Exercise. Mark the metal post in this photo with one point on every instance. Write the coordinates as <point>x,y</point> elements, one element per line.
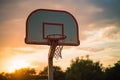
<point>50,69</point>
<point>50,61</point>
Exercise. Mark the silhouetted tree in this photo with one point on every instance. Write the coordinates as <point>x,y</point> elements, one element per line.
<point>80,69</point>
<point>58,74</point>
<point>44,72</point>
<point>84,70</point>
<point>3,77</point>
<point>113,73</point>
<point>22,74</point>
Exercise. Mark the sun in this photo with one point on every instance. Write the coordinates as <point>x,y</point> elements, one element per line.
<point>18,64</point>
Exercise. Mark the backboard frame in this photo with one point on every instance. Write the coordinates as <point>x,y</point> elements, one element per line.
<point>46,43</point>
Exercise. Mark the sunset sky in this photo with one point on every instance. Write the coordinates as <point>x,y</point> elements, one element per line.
<point>99,31</point>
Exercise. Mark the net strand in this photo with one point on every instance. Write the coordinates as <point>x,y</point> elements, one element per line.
<point>54,40</point>
<point>58,49</point>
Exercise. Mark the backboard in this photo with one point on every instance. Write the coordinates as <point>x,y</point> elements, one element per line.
<point>43,22</point>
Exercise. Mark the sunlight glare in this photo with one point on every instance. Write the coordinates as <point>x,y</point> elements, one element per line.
<point>18,64</point>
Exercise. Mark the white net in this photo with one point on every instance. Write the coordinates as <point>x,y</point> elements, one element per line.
<point>58,51</point>
<point>54,40</point>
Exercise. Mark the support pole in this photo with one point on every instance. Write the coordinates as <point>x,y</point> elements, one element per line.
<point>50,69</point>
<point>50,61</point>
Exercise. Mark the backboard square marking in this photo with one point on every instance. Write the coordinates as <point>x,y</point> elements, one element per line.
<point>52,28</point>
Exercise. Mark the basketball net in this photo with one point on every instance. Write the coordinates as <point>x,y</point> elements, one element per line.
<point>54,40</point>
<point>58,49</point>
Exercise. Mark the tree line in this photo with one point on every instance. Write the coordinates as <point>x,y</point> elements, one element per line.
<point>80,69</point>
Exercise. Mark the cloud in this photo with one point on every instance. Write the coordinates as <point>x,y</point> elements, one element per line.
<point>10,10</point>
<point>96,15</point>
<point>95,50</point>
<point>24,50</point>
<point>12,33</point>
<point>90,49</point>
<point>102,40</point>
<point>112,33</point>
<point>106,34</point>
<point>39,66</point>
<point>36,63</point>
<point>110,13</point>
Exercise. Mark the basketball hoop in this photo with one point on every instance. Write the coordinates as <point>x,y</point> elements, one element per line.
<point>53,40</point>
<point>45,27</point>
